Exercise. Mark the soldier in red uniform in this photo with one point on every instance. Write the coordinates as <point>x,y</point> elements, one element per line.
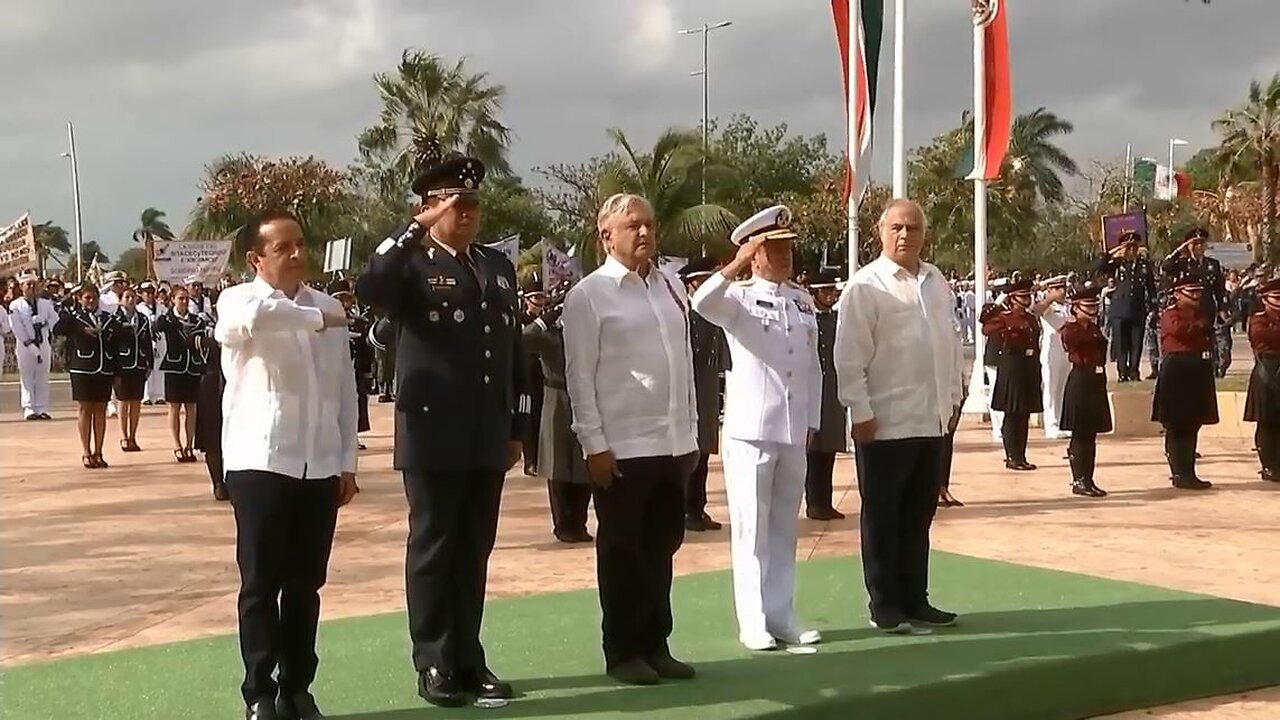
<point>1015,324</point>
<point>1262,402</point>
<point>1185,397</point>
<point>1085,410</point>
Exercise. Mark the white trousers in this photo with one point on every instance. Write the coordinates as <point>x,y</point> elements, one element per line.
<point>997,417</point>
<point>33,366</point>
<point>154,389</point>
<point>1054,387</point>
<point>764,483</point>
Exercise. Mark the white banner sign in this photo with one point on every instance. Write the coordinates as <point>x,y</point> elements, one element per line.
<point>17,245</point>
<point>557,267</point>
<point>337,255</point>
<point>672,265</point>
<point>509,246</point>
<point>177,260</point>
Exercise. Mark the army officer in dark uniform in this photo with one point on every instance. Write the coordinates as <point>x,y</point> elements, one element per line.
<point>1189,258</point>
<point>710,360</point>
<point>460,410</point>
<point>1133,297</point>
<point>833,434</point>
<point>560,457</point>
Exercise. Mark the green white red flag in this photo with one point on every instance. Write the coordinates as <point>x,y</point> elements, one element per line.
<point>994,126</point>
<point>865,45</point>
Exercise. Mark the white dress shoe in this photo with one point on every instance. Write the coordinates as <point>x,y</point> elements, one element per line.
<point>800,637</point>
<point>760,643</point>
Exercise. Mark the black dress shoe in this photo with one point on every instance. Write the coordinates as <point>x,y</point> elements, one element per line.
<point>261,710</point>
<point>824,514</point>
<point>710,524</point>
<point>487,686</point>
<point>441,688</point>
<point>931,616</point>
<point>1191,483</point>
<point>694,523</point>
<point>220,492</point>
<point>385,398</point>
<point>298,706</point>
<point>634,672</point>
<point>669,668</point>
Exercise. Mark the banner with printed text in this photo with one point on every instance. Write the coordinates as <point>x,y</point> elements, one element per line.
<point>178,260</point>
<point>18,246</point>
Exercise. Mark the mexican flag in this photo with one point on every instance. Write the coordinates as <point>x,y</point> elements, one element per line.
<point>992,133</point>
<point>1153,180</point>
<point>862,103</point>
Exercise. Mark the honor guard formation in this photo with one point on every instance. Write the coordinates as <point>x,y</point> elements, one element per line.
<point>619,388</point>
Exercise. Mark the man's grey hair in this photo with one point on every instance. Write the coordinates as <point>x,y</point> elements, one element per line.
<point>896,203</point>
<point>618,204</point>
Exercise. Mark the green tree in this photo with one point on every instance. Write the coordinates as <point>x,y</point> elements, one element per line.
<point>426,99</point>
<point>758,166</point>
<point>1034,164</point>
<point>152,227</point>
<point>133,262</point>
<point>509,208</point>
<point>50,239</point>
<point>1251,139</point>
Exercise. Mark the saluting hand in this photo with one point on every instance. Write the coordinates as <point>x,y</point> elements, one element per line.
<point>742,260</point>
<point>428,216</point>
<point>602,468</point>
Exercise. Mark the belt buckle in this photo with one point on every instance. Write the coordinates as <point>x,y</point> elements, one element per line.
<point>1030,352</point>
<point>1205,355</point>
<point>1098,370</point>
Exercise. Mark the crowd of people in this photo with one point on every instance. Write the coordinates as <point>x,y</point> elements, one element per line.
<point>618,389</point>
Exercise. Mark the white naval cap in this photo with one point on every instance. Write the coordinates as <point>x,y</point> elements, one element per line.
<point>28,276</point>
<point>776,221</point>
<point>113,277</point>
<point>1055,281</point>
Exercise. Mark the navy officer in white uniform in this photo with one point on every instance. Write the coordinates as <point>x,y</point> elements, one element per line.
<point>773,397</point>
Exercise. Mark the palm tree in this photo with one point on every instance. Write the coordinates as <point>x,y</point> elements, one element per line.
<point>1033,161</point>
<point>1251,138</point>
<point>669,178</point>
<point>153,228</point>
<point>427,100</point>
<point>50,238</point>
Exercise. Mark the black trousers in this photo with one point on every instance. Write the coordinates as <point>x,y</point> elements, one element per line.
<point>213,461</point>
<point>695,495</point>
<point>1266,438</point>
<point>1013,434</point>
<point>1127,335</point>
<point>1180,449</point>
<point>284,532</point>
<point>817,480</point>
<point>569,503</point>
<point>533,427</point>
<point>898,481</point>
<point>640,527</point>
<point>1082,453</point>
<point>944,461</point>
<point>453,524</point>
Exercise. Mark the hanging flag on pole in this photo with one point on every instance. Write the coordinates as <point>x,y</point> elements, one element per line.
<point>992,128</point>
<point>861,104</point>
<point>509,246</point>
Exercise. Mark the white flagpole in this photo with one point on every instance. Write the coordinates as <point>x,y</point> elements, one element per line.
<point>977,400</point>
<point>899,104</point>
<point>855,35</point>
<point>1128,173</point>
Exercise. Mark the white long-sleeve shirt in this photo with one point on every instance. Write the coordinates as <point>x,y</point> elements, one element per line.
<point>290,401</point>
<point>897,356</point>
<point>24,316</point>
<point>773,393</point>
<point>629,364</point>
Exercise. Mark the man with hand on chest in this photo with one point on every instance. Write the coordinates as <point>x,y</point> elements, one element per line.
<point>773,399</point>
<point>460,413</point>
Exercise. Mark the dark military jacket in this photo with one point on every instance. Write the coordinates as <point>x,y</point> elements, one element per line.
<point>134,344</point>
<point>461,394</point>
<point>710,360</point>
<point>181,352</point>
<point>1135,290</point>
<point>1214,297</point>
<point>90,340</point>
<point>832,433</point>
<point>361,351</point>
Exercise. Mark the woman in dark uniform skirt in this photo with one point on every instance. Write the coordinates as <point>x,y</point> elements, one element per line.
<point>183,365</point>
<point>89,332</point>
<point>1016,325</point>
<point>1262,402</point>
<point>1086,411</point>
<point>135,356</point>
<point>1185,396</point>
<point>560,457</point>
<point>208,438</point>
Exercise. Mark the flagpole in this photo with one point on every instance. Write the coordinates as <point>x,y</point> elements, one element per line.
<point>976,402</point>
<point>855,42</point>
<point>1128,173</point>
<point>899,107</point>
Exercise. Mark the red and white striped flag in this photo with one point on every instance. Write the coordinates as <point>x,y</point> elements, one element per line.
<point>993,127</point>
<point>863,102</point>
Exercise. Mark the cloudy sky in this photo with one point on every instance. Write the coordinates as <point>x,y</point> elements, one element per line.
<point>158,88</point>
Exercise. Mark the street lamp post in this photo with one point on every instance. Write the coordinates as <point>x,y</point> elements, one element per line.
<point>705,30</point>
<point>75,196</point>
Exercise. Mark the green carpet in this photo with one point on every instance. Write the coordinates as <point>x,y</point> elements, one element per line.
<point>1034,645</point>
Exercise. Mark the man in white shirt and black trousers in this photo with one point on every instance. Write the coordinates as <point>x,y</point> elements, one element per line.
<point>461,406</point>
<point>629,370</point>
<point>898,359</point>
<point>289,448</point>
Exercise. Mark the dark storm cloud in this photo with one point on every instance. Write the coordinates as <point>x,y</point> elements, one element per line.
<point>158,89</point>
